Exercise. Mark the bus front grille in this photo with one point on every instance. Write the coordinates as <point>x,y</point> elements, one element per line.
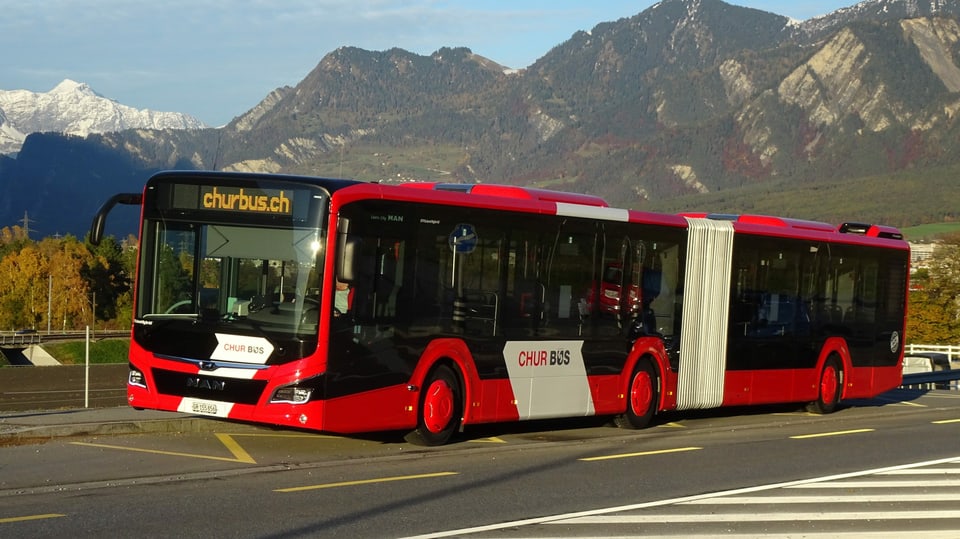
<point>208,387</point>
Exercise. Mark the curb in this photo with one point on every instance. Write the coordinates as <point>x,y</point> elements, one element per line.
<point>15,434</point>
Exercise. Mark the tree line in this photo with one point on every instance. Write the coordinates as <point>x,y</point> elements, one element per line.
<point>63,283</point>
<point>934,307</point>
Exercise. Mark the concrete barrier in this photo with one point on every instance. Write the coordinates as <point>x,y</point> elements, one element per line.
<point>39,357</point>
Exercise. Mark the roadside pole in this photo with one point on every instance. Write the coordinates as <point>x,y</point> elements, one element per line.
<point>86,381</point>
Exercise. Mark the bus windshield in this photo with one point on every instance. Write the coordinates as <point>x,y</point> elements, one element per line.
<point>256,276</point>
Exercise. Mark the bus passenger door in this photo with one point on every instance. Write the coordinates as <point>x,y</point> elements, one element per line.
<point>363,334</point>
<point>616,296</point>
<point>570,277</point>
<point>766,312</point>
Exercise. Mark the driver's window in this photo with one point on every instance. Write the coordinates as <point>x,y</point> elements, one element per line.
<point>173,277</point>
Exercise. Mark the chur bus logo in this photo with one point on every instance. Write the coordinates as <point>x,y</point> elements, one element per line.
<point>225,198</point>
<point>205,383</point>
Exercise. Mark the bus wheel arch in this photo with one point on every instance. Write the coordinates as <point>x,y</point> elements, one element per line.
<point>440,405</point>
<point>642,395</point>
<point>829,386</point>
<point>455,354</point>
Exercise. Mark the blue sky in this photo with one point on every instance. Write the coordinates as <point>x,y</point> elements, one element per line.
<point>216,59</point>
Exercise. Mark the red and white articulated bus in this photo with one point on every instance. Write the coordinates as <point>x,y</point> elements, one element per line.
<point>347,307</point>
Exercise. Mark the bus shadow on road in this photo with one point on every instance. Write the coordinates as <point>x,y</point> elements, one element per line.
<point>900,394</point>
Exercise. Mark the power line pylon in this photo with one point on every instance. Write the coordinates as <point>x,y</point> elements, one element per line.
<point>26,224</point>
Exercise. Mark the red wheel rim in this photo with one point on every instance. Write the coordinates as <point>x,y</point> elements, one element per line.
<point>438,406</point>
<point>828,385</point>
<point>641,393</point>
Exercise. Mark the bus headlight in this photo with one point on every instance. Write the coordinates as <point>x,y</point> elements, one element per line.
<point>291,395</point>
<point>135,378</point>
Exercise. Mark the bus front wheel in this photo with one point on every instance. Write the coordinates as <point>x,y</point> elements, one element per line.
<point>642,397</point>
<point>440,410</point>
<point>828,389</point>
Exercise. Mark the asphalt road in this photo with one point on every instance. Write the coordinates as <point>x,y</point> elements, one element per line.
<point>708,473</point>
<point>64,386</point>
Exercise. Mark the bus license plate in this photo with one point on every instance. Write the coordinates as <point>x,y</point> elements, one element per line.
<point>207,408</point>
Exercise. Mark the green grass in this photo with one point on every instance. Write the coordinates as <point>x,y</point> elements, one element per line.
<point>74,352</point>
<point>903,199</point>
<point>389,164</point>
<point>930,231</point>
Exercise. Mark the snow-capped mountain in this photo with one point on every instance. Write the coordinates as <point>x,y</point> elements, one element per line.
<point>74,108</point>
<point>10,138</point>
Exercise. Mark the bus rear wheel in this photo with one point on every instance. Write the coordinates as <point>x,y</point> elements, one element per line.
<point>828,389</point>
<point>642,398</point>
<point>440,410</point>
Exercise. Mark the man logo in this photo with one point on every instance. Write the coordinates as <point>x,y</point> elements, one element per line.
<point>205,383</point>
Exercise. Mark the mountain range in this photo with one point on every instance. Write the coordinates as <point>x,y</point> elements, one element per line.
<point>73,108</point>
<point>688,105</point>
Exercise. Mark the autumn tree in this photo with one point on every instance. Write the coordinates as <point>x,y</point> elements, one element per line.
<point>934,304</point>
<point>12,239</point>
<point>23,293</point>
<point>51,283</point>
<point>929,320</point>
<point>70,291</point>
<point>13,293</point>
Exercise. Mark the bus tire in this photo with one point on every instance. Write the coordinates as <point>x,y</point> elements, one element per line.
<point>440,410</point>
<point>829,388</point>
<point>642,398</point>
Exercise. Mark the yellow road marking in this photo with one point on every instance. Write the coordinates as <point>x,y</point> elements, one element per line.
<point>30,517</point>
<point>946,421</point>
<point>257,435</point>
<point>835,433</point>
<point>901,402</point>
<point>234,447</point>
<point>490,440</point>
<point>239,455</point>
<point>365,482</point>
<point>672,425</point>
<point>908,403</point>
<point>642,454</point>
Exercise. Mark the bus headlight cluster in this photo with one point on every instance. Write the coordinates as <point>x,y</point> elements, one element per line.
<point>135,378</point>
<point>291,395</point>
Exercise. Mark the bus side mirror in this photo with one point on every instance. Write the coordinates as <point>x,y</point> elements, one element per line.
<point>100,219</point>
<point>347,256</point>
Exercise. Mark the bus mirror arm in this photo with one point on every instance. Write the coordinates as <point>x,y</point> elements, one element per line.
<point>100,219</point>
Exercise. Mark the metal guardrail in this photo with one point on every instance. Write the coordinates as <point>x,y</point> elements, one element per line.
<point>16,339</point>
<point>928,366</point>
<point>951,350</point>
